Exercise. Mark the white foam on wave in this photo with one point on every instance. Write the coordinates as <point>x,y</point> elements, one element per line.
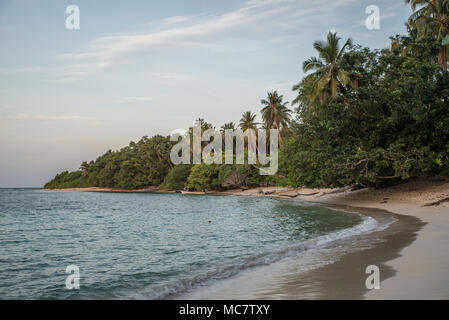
<point>367,225</point>
<point>234,267</point>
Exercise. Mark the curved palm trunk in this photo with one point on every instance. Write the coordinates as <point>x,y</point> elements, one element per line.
<point>279,133</point>
<point>443,57</point>
<point>323,97</point>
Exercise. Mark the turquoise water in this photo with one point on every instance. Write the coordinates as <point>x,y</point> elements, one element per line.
<point>149,246</point>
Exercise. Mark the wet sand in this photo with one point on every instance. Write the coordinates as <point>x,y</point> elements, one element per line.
<point>413,259</point>
<point>343,279</point>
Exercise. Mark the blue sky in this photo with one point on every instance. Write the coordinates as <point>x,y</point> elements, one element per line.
<point>144,67</point>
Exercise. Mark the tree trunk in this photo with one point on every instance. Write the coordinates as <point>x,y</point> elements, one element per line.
<point>279,133</point>
<point>443,57</point>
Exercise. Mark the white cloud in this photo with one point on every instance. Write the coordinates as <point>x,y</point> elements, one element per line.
<point>199,33</point>
<point>177,33</point>
<point>175,19</point>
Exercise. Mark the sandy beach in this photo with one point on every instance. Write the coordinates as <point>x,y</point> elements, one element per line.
<point>413,257</point>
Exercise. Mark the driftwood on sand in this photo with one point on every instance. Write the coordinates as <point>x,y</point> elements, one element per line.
<point>269,192</point>
<point>318,193</point>
<point>436,203</point>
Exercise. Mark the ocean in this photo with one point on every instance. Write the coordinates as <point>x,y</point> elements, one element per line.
<point>152,246</point>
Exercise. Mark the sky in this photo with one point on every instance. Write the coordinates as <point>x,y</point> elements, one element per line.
<point>143,67</point>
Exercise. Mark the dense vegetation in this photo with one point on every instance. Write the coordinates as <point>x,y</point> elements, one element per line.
<point>373,117</point>
<point>67,179</point>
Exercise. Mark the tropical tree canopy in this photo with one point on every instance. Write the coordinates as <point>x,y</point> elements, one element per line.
<point>329,76</point>
<point>275,112</point>
<point>431,18</point>
<point>248,121</point>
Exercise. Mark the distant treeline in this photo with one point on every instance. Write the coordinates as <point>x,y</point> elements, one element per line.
<point>373,117</point>
<point>147,163</point>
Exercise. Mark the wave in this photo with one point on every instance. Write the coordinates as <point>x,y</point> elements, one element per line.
<point>227,270</point>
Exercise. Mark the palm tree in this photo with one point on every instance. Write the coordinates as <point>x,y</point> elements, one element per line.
<point>84,167</point>
<point>228,126</point>
<point>304,90</point>
<point>204,125</point>
<point>275,113</point>
<point>248,121</point>
<point>432,18</point>
<point>329,76</point>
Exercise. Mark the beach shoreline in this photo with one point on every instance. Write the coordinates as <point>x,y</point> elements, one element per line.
<point>421,266</point>
<point>335,270</point>
<point>413,261</point>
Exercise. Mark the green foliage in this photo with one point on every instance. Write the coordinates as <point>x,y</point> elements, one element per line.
<point>138,165</point>
<point>239,175</point>
<point>204,177</point>
<point>395,126</point>
<point>329,76</point>
<point>218,177</point>
<point>67,179</point>
<point>275,113</point>
<point>430,19</point>
<point>176,179</point>
<point>248,121</point>
<point>445,41</point>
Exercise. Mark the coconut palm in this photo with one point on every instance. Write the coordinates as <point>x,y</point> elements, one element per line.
<point>228,126</point>
<point>200,122</point>
<point>204,125</point>
<point>304,97</point>
<point>248,121</point>
<point>84,167</point>
<point>275,112</point>
<point>431,17</point>
<point>329,76</point>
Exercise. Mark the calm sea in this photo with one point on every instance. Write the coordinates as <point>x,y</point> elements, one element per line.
<point>150,246</point>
